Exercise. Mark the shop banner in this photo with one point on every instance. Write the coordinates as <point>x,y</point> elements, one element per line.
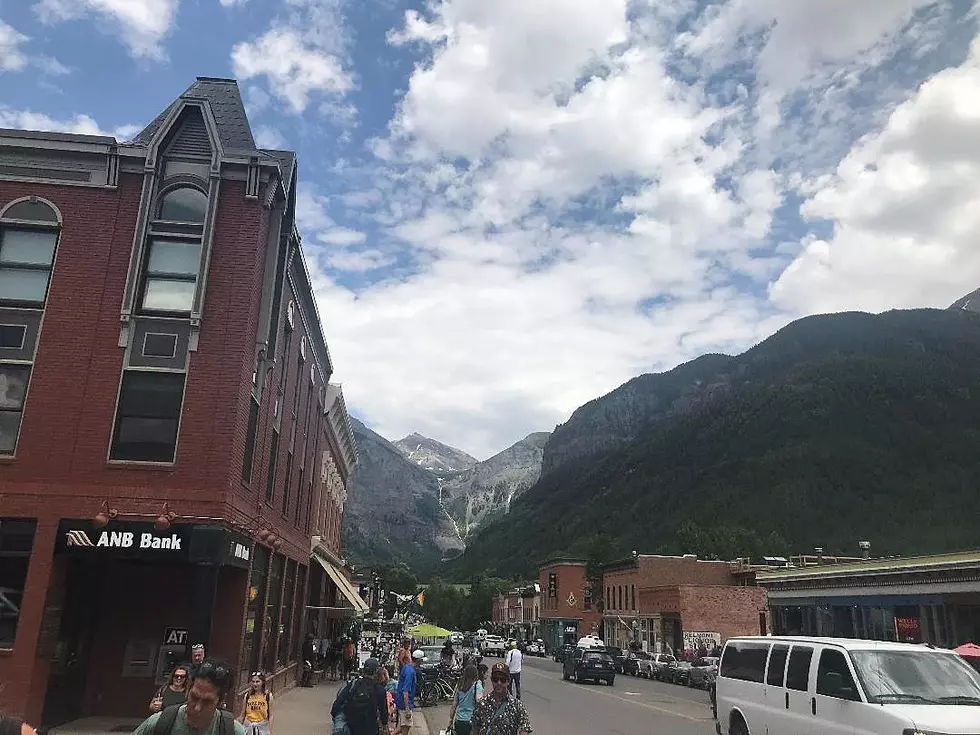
<point>696,640</point>
<point>908,629</point>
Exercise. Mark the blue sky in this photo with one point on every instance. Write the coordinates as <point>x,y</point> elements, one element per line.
<point>510,208</point>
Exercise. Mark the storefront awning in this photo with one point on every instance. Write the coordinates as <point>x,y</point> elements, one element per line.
<point>349,593</point>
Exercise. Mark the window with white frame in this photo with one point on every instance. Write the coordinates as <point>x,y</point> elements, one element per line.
<point>28,241</point>
<point>172,258</point>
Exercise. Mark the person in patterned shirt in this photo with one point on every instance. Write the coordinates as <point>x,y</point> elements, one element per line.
<point>500,713</point>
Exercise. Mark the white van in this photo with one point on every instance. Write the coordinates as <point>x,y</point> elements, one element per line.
<point>836,686</point>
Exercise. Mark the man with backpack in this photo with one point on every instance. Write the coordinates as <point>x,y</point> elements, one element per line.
<point>200,715</point>
<point>361,705</point>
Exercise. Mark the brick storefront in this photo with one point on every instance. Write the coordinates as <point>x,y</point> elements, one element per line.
<point>662,601</point>
<point>567,612</point>
<point>146,383</point>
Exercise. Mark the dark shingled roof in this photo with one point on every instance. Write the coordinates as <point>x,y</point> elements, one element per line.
<point>287,160</point>
<point>226,103</point>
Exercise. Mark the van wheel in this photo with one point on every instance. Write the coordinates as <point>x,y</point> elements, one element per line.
<point>738,726</point>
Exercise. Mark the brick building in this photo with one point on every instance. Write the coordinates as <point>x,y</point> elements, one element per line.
<point>670,602</point>
<point>517,612</point>
<point>172,455</point>
<point>567,608</point>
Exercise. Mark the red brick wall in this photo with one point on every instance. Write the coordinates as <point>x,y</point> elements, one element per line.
<point>663,571</point>
<point>60,470</point>
<point>730,611</point>
<point>571,578</point>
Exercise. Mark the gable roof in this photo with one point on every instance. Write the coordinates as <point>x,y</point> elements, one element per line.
<point>225,100</point>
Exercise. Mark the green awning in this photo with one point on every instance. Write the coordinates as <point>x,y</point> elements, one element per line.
<point>427,630</point>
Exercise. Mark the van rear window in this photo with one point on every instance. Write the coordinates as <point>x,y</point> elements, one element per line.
<point>744,660</point>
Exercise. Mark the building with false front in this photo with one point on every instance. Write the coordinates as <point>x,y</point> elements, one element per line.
<point>679,602</point>
<point>928,599</point>
<point>173,458</point>
<point>567,609</point>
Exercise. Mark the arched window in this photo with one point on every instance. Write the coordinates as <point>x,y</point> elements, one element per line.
<point>184,204</point>
<point>28,238</point>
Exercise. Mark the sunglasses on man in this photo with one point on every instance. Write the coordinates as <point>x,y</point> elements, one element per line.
<point>500,678</point>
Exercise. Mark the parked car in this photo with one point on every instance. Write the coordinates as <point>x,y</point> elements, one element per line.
<point>585,664</point>
<point>562,652</point>
<point>662,665</point>
<point>652,668</point>
<point>590,641</point>
<point>631,665</point>
<point>701,670</point>
<point>493,645</point>
<point>618,656</point>
<point>535,648</point>
<point>677,672</point>
<point>837,687</point>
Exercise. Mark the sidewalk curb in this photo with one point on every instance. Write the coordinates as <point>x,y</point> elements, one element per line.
<point>424,725</point>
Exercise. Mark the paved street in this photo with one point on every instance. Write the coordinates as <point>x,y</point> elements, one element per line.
<point>631,707</point>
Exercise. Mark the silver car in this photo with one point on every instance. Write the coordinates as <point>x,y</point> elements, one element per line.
<point>651,666</point>
<point>703,670</point>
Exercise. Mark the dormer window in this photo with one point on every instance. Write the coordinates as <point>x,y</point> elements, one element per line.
<point>184,204</point>
<point>172,259</point>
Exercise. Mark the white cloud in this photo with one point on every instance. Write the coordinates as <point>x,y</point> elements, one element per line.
<point>572,192</point>
<point>905,204</point>
<point>143,24</point>
<point>232,3</point>
<point>50,66</point>
<point>269,137</point>
<point>12,57</point>
<point>300,55</point>
<point>79,123</point>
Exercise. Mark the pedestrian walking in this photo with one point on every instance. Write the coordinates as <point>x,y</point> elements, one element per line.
<point>350,658</point>
<point>361,706</point>
<point>500,713</point>
<point>173,692</point>
<point>257,707</point>
<point>198,654</point>
<point>201,714</point>
<point>405,694</point>
<point>468,694</point>
<point>515,662</point>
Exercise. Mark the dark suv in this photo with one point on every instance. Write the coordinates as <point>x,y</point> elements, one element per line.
<point>584,664</point>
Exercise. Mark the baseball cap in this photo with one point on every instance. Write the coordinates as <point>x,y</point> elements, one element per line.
<point>197,647</point>
<point>419,654</point>
<point>370,666</point>
<point>500,668</point>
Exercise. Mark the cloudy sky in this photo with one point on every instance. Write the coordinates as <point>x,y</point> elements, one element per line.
<point>513,206</point>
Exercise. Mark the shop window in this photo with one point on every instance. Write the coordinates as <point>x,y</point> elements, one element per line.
<point>288,608</point>
<point>16,542</point>
<point>252,640</point>
<point>148,416</point>
<point>248,458</point>
<point>13,392</point>
<point>273,613</point>
<point>632,597</point>
<point>298,387</point>
<point>28,240</point>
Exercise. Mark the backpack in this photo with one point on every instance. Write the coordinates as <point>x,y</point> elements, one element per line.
<point>360,710</point>
<point>226,724</point>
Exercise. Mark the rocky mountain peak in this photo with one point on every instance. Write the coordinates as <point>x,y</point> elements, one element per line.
<point>970,302</point>
<point>433,455</point>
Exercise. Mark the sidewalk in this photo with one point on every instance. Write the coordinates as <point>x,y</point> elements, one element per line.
<point>306,711</point>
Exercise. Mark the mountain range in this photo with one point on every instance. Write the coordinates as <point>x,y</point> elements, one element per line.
<point>837,428</point>
<point>416,500</point>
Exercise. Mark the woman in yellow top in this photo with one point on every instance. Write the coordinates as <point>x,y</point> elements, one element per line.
<point>257,707</point>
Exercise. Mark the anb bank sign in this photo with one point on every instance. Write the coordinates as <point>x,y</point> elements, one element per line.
<point>121,539</point>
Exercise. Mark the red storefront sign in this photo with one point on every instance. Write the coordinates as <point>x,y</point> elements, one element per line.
<point>908,629</point>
